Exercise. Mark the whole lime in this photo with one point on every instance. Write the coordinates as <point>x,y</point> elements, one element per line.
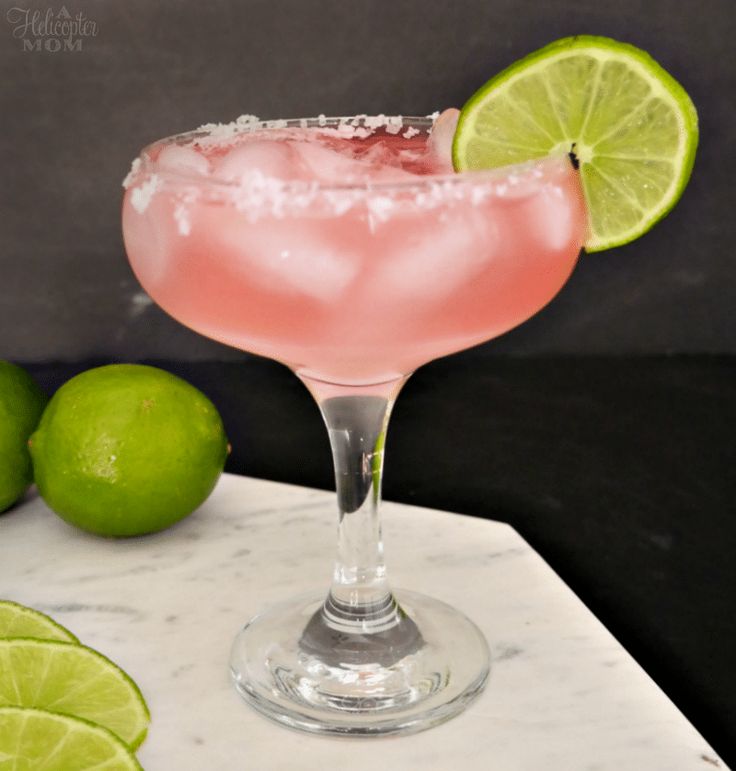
<point>127,449</point>
<point>21,405</point>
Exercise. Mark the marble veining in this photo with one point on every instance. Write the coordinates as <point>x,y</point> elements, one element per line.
<point>563,694</point>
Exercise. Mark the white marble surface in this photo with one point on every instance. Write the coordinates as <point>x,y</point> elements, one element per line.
<point>563,694</point>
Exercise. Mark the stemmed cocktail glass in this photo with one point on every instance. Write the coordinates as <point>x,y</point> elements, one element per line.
<point>348,250</point>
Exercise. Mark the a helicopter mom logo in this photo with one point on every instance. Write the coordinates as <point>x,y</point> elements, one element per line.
<point>50,30</point>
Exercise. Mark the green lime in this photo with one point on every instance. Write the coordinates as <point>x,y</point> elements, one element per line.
<point>36,740</point>
<point>21,405</point>
<point>19,621</point>
<point>127,449</point>
<point>72,680</point>
<point>628,123</point>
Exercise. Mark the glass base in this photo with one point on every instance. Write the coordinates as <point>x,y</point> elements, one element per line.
<point>296,668</point>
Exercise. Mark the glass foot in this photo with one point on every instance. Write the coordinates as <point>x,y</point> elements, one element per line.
<point>297,667</point>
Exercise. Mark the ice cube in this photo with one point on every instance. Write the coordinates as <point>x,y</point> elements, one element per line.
<point>435,256</point>
<point>383,162</point>
<point>550,218</point>
<point>379,154</point>
<point>329,165</point>
<point>377,164</point>
<point>439,145</point>
<point>269,159</point>
<point>183,160</point>
<point>392,174</point>
<point>299,257</point>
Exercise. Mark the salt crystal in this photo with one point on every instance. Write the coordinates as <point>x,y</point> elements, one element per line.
<point>345,131</point>
<point>478,195</point>
<point>394,124</point>
<point>375,121</point>
<point>132,174</point>
<point>410,132</point>
<point>181,212</point>
<point>141,196</point>
<point>339,202</point>
<point>209,127</point>
<point>181,215</point>
<point>222,131</point>
<point>380,206</point>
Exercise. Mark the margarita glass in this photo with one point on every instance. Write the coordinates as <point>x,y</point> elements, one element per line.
<point>347,249</point>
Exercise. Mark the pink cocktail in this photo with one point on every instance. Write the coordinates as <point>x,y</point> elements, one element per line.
<point>351,285</point>
<point>348,250</point>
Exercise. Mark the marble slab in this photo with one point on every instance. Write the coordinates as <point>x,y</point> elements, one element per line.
<point>563,694</point>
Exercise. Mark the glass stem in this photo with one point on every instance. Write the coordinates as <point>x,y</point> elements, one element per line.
<point>360,603</point>
<point>359,592</point>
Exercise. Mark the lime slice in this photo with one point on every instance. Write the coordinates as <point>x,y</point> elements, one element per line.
<point>73,680</point>
<point>19,621</point>
<point>629,124</point>
<point>44,741</point>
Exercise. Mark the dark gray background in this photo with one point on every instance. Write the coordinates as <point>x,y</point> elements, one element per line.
<point>72,121</point>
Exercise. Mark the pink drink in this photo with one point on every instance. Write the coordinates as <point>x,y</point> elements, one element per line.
<point>353,255</point>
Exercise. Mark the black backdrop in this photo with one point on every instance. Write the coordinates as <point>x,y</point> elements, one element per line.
<point>611,455</point>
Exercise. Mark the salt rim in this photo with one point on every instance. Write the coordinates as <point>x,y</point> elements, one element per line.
<point>350,127</point>
<point>141,196</point>
<point>133,173</point>
<point>346,127</point>
<point>262,196</point>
